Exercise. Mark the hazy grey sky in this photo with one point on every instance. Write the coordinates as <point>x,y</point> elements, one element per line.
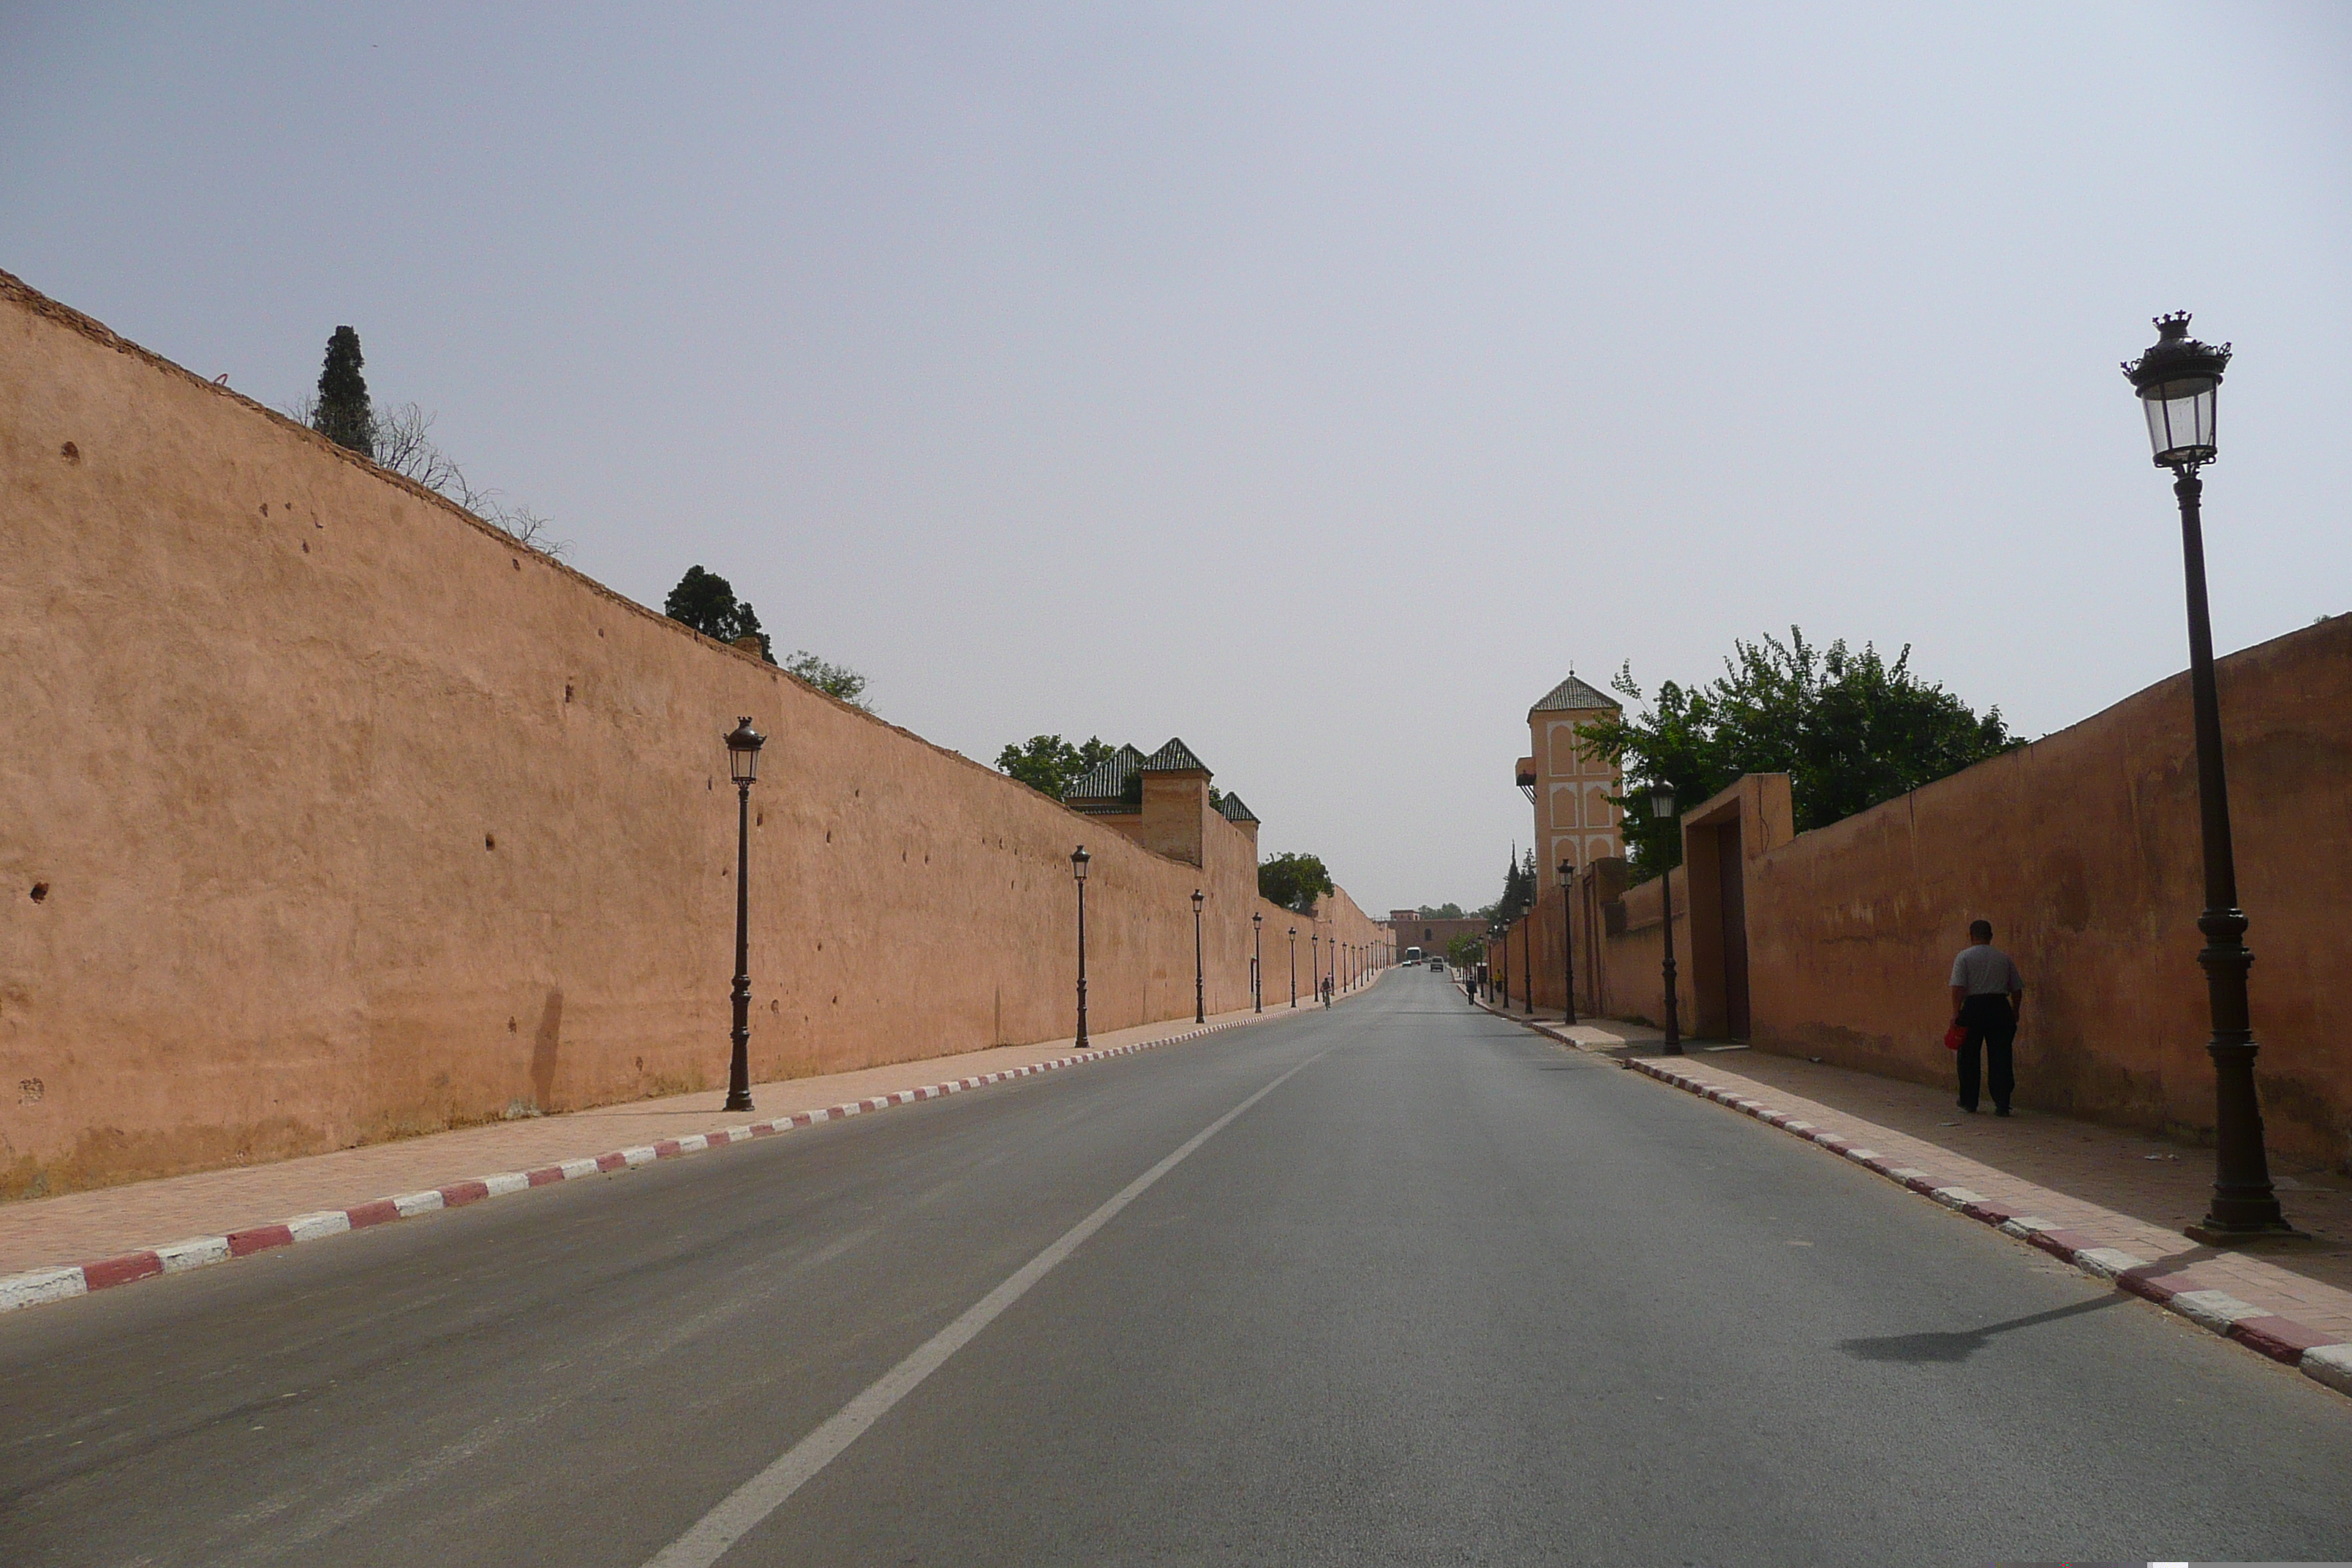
<point>1315,382</point>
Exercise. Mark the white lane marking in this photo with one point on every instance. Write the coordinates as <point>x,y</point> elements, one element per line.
<point>756,1498</point>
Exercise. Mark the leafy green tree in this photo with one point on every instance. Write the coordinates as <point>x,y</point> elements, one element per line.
<point>1465,951</point>
<point>342,414</point>
<point>1050,765</point>
<point>707,602</point>
<point>1849,729</point>
<point>1295,881</point>
<point>1445,911</point>
<point>833,680</point>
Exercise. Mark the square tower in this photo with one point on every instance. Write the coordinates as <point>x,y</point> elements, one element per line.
<point>1570,784</point>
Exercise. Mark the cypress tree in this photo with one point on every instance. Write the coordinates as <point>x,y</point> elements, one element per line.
<point>343,414</point>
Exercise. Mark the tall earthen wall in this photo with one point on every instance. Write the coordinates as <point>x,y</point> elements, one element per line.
<point>329,813</point>
<point>2084,850</point>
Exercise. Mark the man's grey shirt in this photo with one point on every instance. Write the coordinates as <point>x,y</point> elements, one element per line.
<point>1985,971</point>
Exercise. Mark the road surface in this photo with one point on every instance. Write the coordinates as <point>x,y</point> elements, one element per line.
<point>1397,1282</point>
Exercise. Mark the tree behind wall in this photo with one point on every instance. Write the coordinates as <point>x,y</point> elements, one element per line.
<point>1050,765</point>
<point>1295,881</point>
<point>833,680</point>
<point>707,602</point>
<point>1518,887</point>
<point>1849,729</point>
<point>342,414</point>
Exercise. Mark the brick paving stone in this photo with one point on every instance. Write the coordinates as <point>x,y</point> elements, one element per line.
<point>108,1222</point>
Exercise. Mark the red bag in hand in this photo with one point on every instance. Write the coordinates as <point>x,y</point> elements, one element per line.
<point>1956,1037</point>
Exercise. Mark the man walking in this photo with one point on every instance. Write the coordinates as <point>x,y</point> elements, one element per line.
<point>1987,992</point>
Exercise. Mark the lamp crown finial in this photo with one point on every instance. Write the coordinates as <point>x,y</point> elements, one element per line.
<point>2175,356</point>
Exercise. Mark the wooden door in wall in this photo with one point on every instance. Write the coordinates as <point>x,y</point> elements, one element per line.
<point>1732,869</point>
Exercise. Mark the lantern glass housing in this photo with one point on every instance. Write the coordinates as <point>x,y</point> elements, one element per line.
<point>1662,801</point>
<point>2178,381</point>
<point>1567,873</point>
<point>2181,420</point>
<point>1078,860</point>
<point>1257,919</point>
<point>1197,899</point>
<point>743,743</point>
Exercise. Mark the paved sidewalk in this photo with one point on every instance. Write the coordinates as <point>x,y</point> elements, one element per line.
<point>46,1233</point>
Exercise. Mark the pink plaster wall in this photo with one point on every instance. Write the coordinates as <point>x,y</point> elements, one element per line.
<point>352,818</point>
<point>2083,851</point>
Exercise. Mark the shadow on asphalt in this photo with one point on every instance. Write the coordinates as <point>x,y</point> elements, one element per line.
<point>1919,1349</point>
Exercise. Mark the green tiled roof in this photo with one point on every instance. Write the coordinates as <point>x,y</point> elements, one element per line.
<point>1175,757</point>
<point>1570,696</point>
<point>1106,788</point>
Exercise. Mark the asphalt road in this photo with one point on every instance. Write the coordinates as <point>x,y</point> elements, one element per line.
<point>1445,1293</point>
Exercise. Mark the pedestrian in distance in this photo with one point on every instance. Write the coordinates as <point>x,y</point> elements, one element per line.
<point>1987,994</point>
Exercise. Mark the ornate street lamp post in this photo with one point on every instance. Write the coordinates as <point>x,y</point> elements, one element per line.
<point>2179,380</point>
<point>1567,939</point>
<point>1528,958</point>
<point>1257,962</point>
<point>743,743</point>
<point>1200,992</point>
<point>1661,811</point>
<point>1315,958</point>
<point>1293,966</point>
<point>1079,859</point>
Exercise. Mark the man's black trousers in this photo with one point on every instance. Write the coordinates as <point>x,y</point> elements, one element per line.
<point>1992,1028</point>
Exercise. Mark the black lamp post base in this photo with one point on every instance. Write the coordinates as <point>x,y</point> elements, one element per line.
<point>2209,1234</point>
<point>738,1103</point>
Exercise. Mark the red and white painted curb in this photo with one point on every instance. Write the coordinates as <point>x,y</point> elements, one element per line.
<point>2319,1356</point>
<point>40,1285</point>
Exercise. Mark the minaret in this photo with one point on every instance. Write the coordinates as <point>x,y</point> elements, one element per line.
<point>1570,784</point>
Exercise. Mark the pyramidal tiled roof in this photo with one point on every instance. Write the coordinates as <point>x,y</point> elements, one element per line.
<point>1175,757</point>
<point>1571,694</point>
<point>1108,781</point>
<point>1230,805</point>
